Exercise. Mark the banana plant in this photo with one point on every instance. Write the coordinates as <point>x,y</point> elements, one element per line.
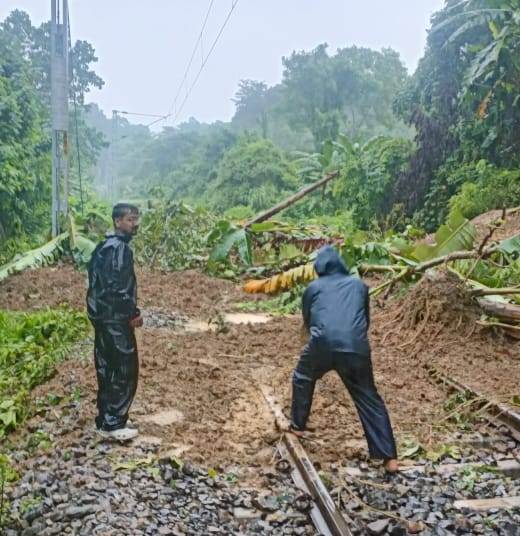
<point>71,241</point>
<point>502,18</point>
<point>227,236</point>
<point>41,256</point>
<point>457,234</point>
<point>395,256</point>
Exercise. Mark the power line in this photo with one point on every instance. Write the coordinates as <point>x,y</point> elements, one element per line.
<point>188,66</point>
<point>138,113</point>
<point>199,40</point>
<point>205,60</point>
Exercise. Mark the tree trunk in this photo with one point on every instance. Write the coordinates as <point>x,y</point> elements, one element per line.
<point>263,216</point>
<point>505,311</point>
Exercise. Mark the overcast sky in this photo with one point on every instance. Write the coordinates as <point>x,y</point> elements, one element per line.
<point>144,46</point>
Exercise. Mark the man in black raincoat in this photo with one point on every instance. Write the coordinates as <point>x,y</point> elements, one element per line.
<point>336,316</point>
<point>112,309</point>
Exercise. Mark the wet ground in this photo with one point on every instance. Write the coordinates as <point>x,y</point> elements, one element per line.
<point>199,401</point>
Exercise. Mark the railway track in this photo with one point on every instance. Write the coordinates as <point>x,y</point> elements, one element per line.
<point>493,412</point>
<point>323,511</point>
<point>339,517</point>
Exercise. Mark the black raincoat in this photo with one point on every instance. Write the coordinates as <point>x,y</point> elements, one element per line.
<point>336,313</point>
<point>112,290</point>
<point>335,307</point>
<point>111,304</point>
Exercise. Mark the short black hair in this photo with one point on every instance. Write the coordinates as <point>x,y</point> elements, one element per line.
<point>121,209</point>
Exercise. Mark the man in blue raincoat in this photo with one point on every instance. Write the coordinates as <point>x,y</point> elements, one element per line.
<point>336,316</point>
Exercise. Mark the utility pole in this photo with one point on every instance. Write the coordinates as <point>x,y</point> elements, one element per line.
<point>59,110</point>
<point>113,157</point>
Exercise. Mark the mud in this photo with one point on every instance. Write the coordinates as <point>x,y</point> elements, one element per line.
<point>510,227</point>
<point>189,292</point>
<point>435,323</point>
<point>199,397</point>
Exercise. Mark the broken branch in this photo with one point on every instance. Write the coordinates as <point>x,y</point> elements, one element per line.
<point>263,216</point>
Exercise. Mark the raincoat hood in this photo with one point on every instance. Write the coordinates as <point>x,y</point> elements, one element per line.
<point>329,262</point>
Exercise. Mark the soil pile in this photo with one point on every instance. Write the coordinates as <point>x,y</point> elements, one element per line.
<point>435,323</point>
<point>510,227</point>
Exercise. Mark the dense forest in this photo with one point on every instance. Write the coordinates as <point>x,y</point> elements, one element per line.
<point>409,147</point>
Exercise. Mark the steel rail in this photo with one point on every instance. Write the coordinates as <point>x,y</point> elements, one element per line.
<point>494,411</point>
<point>324,513</point>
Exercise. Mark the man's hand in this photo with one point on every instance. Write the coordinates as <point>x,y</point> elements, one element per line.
<point>136,322</point>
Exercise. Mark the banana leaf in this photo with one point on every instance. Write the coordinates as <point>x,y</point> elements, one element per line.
<point>80,246</point>
<point>510,246</point>
<point>35,258</point>
<point>235,237</point>
<point>282,281</point>
<point>458,234</point>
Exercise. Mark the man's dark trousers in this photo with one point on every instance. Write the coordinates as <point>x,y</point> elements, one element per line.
<point>355,371</point>
<point>117,369</point>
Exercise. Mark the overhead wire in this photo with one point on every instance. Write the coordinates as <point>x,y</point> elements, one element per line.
<point>197,76</point>
<point>138,113</point>
<point>188,65</point>
<point>195,46</point>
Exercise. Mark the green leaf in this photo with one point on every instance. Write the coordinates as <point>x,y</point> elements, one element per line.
<point>458,234</point>
<point>452,451</point>
<point>327,152</point>
<point>510,245</point>
<point>482,61</point>
<point>212,473</point>
<point>264,227</point>
<point>177,462</point>
<point>411,451</point>
<point>289,251</point>
<point>245,249</point>
<point>34,258</point>
<point>239,238</point>
<point>81,247</point>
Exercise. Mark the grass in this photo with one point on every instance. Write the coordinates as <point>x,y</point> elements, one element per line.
<point>31,345</point>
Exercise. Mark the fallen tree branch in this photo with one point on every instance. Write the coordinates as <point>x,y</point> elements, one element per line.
<point>489,324</point>
<point>263,216</point>
<point>437,261</point>
<point>455,256</point>
<point>494,291</point>
<point>504,311</point>
<point>492,229</point>
<point>367,268</point>
<point>377,290</point>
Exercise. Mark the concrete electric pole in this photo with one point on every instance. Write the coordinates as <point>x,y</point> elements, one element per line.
<point>113,157</point>
<point>59,110</point>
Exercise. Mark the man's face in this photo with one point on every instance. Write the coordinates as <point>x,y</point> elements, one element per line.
<point>129,223</point>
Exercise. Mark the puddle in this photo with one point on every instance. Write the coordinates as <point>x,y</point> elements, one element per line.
<point>197,326</point>
<point>164,418</point>
<point>247,318</point>
<point>177,321</point>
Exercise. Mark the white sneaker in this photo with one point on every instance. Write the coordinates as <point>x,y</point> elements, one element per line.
<point>122,434</point>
